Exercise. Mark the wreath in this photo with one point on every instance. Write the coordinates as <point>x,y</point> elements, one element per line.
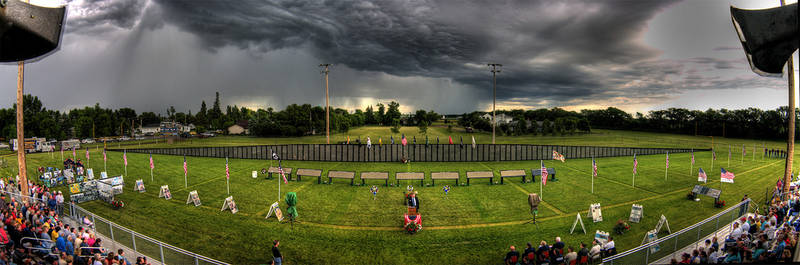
<point>719,204</point>
<point>263,171</point>
<point>117,204</point>
<point>621,227</point>
<point>412,227</point>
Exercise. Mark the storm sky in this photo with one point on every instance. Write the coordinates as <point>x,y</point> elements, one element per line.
<point>637,55</point>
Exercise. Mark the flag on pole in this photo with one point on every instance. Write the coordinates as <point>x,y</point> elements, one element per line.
<point>473,142</point>
<point>544,174</point>
<point>104,155</point>
<point>701,175</point>
<point>462,141</point>
<point>667,159</point>
<point>693,157</point>
<point>391,138</point>
<point>185,166</point>
<point>280,169</point>
<point>713,155</point>
<point>125,157</point>
<point>437,139</point>
<point>87,153</point>
<point>152,166</point>
<point>635,164</point>
<point>726,176</point>
<point>594,168</point>
<point>227,169</point>
<point>450,139</point>
<point>403,140</point>
<point>73,152</point>
<point>744,151</point>
<point>369,143</point>
<point>557,156</point>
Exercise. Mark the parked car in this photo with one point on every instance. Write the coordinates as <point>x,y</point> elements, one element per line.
<point>87,141</point>
<point>125,138</point>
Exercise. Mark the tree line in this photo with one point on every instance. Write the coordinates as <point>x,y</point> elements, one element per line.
<point>299,120</point>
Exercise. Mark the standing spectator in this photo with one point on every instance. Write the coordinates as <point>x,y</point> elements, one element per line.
<point>277,258</point>
<point>529,257</point>
<point>60,203</point>
<point>512,257</point>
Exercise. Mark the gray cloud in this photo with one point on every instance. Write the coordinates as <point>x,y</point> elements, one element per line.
<point>97,16</point>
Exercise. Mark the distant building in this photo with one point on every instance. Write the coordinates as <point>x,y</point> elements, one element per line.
<point>187,128</point>
<point>241,127</point>
<point>150,129</point>
<point>169,128</point>
<point>502,118</point>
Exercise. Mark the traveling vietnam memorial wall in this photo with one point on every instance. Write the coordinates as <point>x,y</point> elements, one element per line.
<point>413,152</point>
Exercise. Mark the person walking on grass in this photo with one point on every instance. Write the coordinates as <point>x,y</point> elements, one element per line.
<point>277,258</point>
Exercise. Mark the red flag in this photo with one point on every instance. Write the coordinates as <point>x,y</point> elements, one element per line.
<point>104,155</point>
<point>152,166</point>
<point>403,140</point>
<point>280,168</point>
<point>450,139</point>
<point>185,166</point>
<point>87,153</point>
<point>227,169</point>
<point>125,157</point>
<point>544,175</point>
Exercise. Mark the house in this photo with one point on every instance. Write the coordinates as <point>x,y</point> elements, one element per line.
<point>502,118</point>
<point>150,129</point>
<point>240,127</point>
<point>187,128</point>
<point>169,128</point>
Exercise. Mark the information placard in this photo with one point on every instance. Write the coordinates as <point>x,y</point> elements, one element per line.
<point>164,192</point>
<point>597,214</point>
<point>193,198</point>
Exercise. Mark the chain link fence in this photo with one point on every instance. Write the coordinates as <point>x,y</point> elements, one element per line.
<point>414,152</point>
<point>670,244</point>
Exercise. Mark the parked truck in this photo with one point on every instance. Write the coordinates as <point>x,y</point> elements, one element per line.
<point>32,145</point>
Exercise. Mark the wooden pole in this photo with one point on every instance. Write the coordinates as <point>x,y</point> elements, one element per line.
<point>23,171</point>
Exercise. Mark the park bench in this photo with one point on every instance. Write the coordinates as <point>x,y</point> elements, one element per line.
<point>341,175</point>
<point>443,175</point>
<point>375,175</point>
<point>538,172</point>
<point>512,174</point>
<point>410,176</point>
<point>309,173</point>
<point>480,175</point>
<point>286,170</point>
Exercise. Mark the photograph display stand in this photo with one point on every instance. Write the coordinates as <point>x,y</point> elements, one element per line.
<point>103,175</point>
<point>255,174</point>
<point>577,220</point>
<point>597,215</point>
<point>90,173</point>
<point>661,222</point>
<point>601,237</point>
<point>275,209</point>
<point>193,197</point>
<point>636,213</point>
<point>229,204</point>
<point>139,186</point>
<point>651,236</point>
<point>164,192</point>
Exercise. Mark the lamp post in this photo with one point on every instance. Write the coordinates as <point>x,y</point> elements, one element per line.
<point>327,106</point>
<point>494,71</point>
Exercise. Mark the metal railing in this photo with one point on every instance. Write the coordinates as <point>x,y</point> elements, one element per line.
<point>670,244</point>
<point>163,252</point>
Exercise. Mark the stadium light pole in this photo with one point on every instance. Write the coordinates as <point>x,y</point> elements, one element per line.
<point>494,71</point>
<point>327,106</point>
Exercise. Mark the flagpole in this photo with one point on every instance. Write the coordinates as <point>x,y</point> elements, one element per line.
<point>151,174</point>
<point>691,167</point>
<point>633,176</point>
<point>228,179</point>
<point>591,173</point>
<point>712,161</point>
<point>541,191</point>
<point>666,167</point>
<point>729,156</point>
<point>185,173</point>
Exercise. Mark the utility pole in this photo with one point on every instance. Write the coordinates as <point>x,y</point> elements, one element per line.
<point>787,174</point>
<point>327,105</point>
<point>494,94</point>
<point>23,171</point>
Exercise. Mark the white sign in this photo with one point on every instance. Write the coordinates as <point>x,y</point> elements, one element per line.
<point>577,219</point>
<point>193,198</point>
<point>661,223</point>
<point>164,192</point>
<point>255,174</point>
<point>89,173</point>
<point>229,204</point>
<point>103,175</point>
<point>276,210</point>
<point>636,213</point>
<point>597,215</point>
<point>139,186</point>
<point>601,237</point>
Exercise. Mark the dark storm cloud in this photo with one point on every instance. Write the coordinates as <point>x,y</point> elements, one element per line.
<point>94,16</point>
<point>551,49</point>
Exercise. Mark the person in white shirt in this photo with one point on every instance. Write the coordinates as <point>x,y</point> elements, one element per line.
<point>737,231</point>
<point>610,247</point>
<point>746,227</point>
<point>594,253</point>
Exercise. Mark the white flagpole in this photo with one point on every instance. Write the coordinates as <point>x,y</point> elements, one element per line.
<point>591,173</point>
<point>125,162</point>
<point>227,178</point>
<point>104,162</point>
<point>633,176</point>
<point>691,167</point>
<point>151,174</point>
<point>185,173</point>
<point>666,166</point>
<point>712,161</point>
<point>279,181</point>
<point>729,156</point>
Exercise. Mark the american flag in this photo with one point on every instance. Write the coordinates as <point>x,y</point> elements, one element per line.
<point>667,159</point>
<point>692,157</point>
<point>635,164</point>
<point>544,174</point>
<point>726,176</point>
<point>280,168</point>
<point>87,153</point>
<point>594,168</point>
<point>152,166</point>
<point>104,155</point>
<point>744,151</point>
<point>227,169</point>
<point>185,166</point>
<point>701,175</point>
<point>125,157</point>
<point>73,152</point>
<point>403,140</point>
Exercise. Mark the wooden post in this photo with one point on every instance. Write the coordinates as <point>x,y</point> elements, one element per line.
<point>23,172</point>
<point>787,174</point>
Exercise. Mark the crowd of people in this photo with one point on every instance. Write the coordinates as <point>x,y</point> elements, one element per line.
<point>770,237</point>
<point>560,253</point>
<point>32,232</point>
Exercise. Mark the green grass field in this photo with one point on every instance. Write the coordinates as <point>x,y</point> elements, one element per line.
<point>473,224</point>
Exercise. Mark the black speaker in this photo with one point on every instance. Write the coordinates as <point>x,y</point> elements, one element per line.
<point>28,31</point>
<point>768,36</point>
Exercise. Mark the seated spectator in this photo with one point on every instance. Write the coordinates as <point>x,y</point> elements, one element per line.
<point>733,256</point>
<point>543,253</point>
<point>557,252</point>
<point>529,256</point>
<point>703,258</point>
<point>595,252</point>
<point>583,254</point>
<point>610,248</point>
<point>686,259</point>
<point>571,257</point>
<point>512,257</point>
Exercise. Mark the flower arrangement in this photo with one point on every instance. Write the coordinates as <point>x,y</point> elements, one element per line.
<point>690,196</point>
<point>117,204</point>
<point>621,227</point>
<point>412,227</point>
<point>719,204</point>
